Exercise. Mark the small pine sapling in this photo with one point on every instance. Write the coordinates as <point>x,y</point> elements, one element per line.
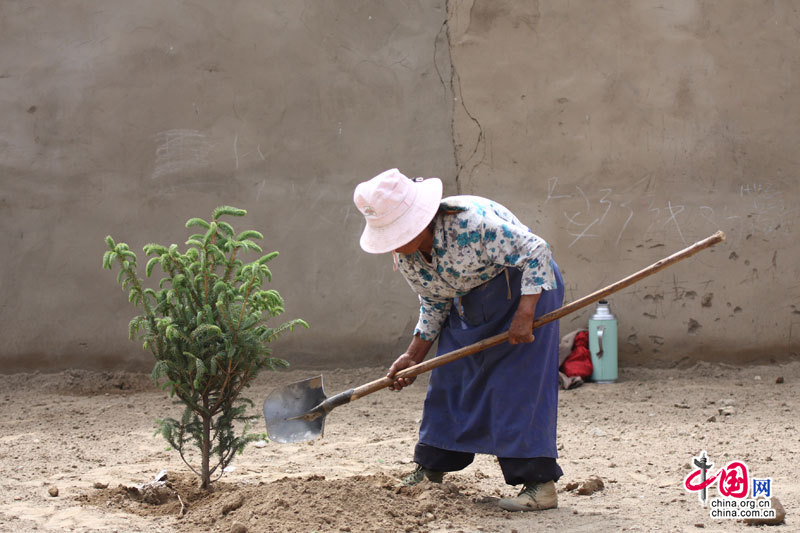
<point>207,328</point>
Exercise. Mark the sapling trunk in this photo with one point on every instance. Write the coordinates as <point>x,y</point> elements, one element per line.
<point>206,449</point>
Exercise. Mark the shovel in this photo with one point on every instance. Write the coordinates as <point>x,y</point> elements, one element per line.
<point>297,412</point>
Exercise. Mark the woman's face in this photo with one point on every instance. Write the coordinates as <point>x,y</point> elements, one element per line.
<point>413,245</point>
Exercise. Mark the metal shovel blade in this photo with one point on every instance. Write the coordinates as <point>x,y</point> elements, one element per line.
<point>283,407</point>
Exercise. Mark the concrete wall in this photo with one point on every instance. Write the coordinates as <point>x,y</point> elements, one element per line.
<point>620,131</point>
<point>624,131</point>
<point>128,118</point>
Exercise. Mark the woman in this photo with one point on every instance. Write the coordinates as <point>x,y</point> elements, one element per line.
<point>478,272</point>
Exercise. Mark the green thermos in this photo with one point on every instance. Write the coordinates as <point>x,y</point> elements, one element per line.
<point>603,343</point>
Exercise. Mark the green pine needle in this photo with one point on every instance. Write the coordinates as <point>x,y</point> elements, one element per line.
<point>228,210</point>
<point>197,222</point>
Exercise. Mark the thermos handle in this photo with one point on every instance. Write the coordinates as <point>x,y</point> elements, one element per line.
<point>600,331</point>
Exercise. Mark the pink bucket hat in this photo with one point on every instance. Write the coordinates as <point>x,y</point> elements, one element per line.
<point>396,209</point>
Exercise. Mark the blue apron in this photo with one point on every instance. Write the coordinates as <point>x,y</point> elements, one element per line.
<point>500,401</point>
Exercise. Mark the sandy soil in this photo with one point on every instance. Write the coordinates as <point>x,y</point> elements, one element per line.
<point>80,432</point>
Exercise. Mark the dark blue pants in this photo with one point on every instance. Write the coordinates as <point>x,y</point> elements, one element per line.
<point>515,470</point>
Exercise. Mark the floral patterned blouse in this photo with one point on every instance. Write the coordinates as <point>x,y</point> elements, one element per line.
<point>474,239</point>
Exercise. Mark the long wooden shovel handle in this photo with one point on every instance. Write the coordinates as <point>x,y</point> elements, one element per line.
<point>443,359</point>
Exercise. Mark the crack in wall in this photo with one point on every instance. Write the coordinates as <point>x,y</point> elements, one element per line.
<point>479,142</point>
<point>444,27</point>
<point>458,99</point>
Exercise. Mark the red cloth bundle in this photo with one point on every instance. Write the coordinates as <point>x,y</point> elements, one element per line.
<point>579,361</point>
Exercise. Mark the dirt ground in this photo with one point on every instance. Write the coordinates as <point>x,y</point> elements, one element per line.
<point>90,435</point>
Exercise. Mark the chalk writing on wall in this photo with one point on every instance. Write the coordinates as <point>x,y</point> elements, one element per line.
<point>180,151</point>
<point>639,213</point>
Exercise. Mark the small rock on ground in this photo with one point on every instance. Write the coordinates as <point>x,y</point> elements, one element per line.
<point>238,527</point>
<point>590,486</point>
<point>231,504</point>
<point>780,515</point>
<point>156,494</point>
<point>53,491</point>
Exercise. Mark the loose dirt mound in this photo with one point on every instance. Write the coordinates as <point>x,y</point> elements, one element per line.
<point>170,498</point>
<point>360,503</point>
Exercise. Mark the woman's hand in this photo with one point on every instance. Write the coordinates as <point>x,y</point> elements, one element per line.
<point>521,329</point>
<point>416,352</point>
<point>404,361</point>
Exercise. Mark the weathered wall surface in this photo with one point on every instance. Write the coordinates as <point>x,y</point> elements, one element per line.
<point>128,118</point>
<point>620,131</point>
<point>624,131</point>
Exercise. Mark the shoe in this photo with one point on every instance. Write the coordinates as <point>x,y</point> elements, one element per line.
<point>420,473</point>
<point>533,497</point>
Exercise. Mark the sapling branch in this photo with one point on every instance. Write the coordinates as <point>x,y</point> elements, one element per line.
<point>230,265</point>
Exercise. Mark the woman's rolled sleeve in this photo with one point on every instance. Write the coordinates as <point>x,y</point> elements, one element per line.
<point>514,246</point>
<point>432,314</point>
